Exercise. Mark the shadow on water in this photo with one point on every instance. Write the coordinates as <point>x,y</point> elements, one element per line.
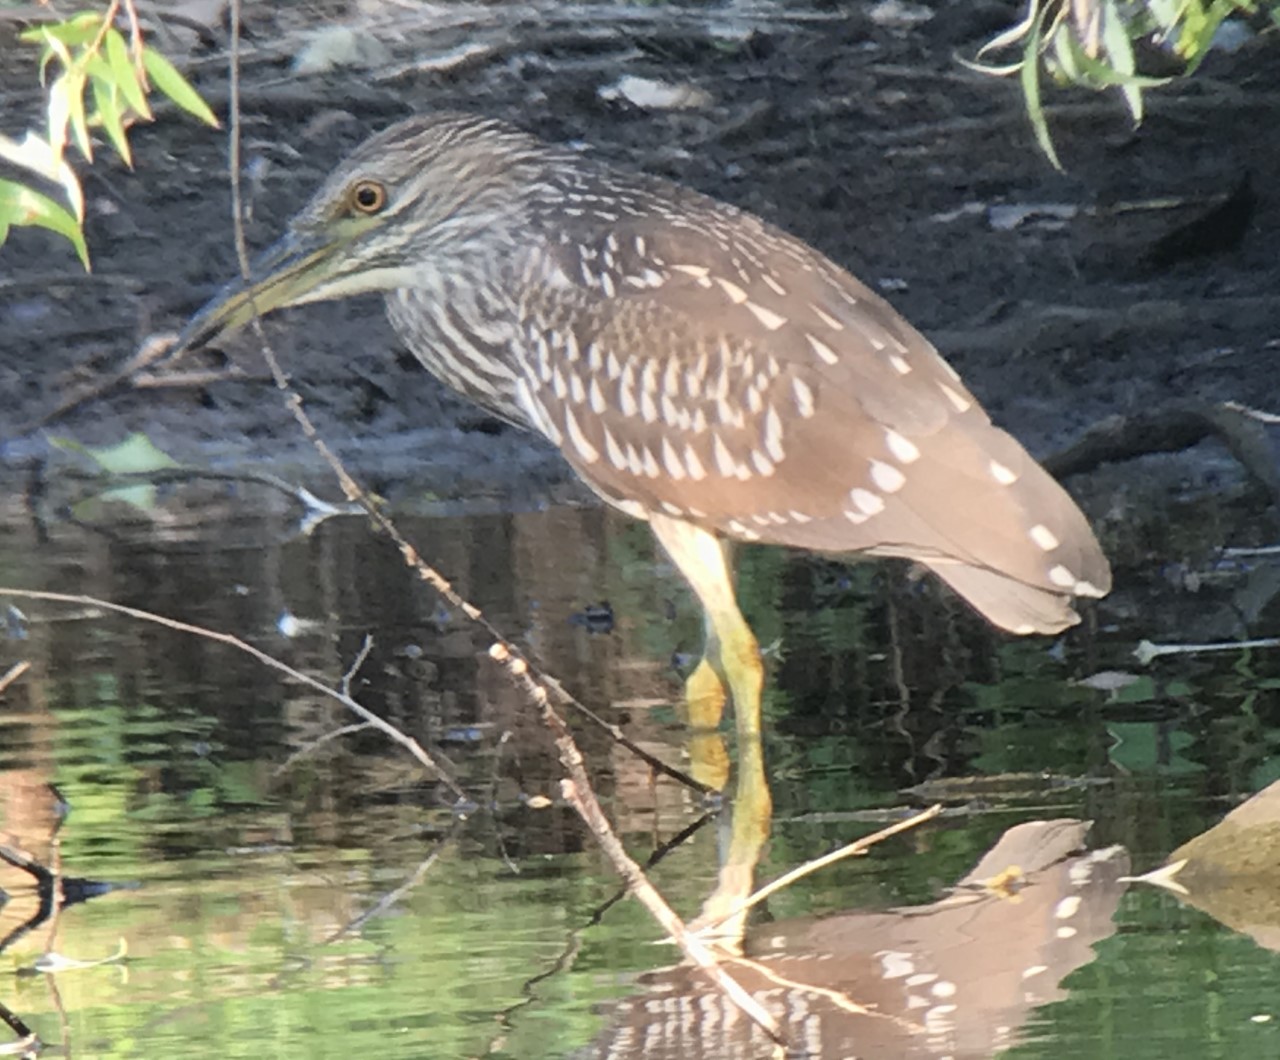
<point>232,880</point>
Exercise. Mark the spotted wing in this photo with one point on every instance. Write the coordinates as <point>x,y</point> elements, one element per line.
<point>719,371</point>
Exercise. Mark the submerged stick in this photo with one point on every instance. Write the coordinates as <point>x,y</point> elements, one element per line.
<point>858,846</point>
<point>578,792</point>
<point>364,713</point>
<point>1146,651</point>
<point>638,883</point>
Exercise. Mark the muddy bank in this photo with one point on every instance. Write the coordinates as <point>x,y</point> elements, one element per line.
<point>865,138</point>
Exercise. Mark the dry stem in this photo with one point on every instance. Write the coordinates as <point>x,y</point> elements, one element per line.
<point>858,846</point>
<point>366,715</point>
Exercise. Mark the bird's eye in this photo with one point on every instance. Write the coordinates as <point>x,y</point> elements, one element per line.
<point>368,197</point>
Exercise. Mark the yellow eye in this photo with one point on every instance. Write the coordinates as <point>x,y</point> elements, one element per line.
<point>368,197</point>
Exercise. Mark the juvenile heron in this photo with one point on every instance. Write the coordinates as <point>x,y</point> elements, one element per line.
<point>697,367</point>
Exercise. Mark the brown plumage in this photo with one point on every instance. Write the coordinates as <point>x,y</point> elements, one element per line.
<point>698,367</point>
<point>787,403</point>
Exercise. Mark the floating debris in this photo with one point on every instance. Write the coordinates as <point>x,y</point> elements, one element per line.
<point>650,94</point>
<point>340,47</point>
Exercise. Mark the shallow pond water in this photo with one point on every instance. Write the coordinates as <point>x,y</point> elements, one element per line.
<point>276,888</point>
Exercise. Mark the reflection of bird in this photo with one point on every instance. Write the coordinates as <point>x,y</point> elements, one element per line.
<point>960,977</point>
<point>697,367</point>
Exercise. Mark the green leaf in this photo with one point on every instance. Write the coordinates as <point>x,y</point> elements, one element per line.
<point>58,116</point>
<point>143,497</point>
<point>1133,97</point>
<point>56,46</point>
<point>999,42</point>
<point>46,57</point>
<point>125,74</point>
<point>1014,33</point>
<point>79,30</point>
<point>136,455</point>
<point>19,205</point>
<point>1199,24</point>
<point>1096,73</point>
<point>1165,12</point>
<point>96,67</point>
<point>75,86</point>
<point>1119,49</point>
<point>106,99</point>
<point>166,78</point>
<point>1030,77</point>
<point>1064,50</point>
<point>39,156</point>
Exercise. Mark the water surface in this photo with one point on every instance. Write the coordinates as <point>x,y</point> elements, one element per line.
<point>276,890</point>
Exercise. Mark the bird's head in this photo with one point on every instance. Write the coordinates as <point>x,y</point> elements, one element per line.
<point>391,215</point>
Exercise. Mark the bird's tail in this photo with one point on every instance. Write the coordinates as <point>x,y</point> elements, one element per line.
<point>1007,602</point>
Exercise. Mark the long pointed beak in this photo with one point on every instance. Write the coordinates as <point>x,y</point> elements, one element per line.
<point>284,275</point>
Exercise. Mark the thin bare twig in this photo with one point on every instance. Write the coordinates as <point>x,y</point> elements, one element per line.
<point>135,39</point>
<point>233,154</point>
<point>153,349</point>
<point>492,803</point>
<point>574,943</point>
<point>311,746</point>
<point>46,889</point>
<point>857,847</point>
<point>356,663</point>
<point>578,792</point>
<point>55,877</point>
<point>674,843</point>
<point>1146,650</point>
<point>567,956</point>
<point>108,19</point>
<point>166,475</point>
<point>391,897</point>
<point>583,800</point>
<point>837,998</point>
<point>193,378</point>
<point>13,673</point>
<point>407,742</point>
<point>60,1006</point>
<point>564,962</point>
<point>16,1024</point>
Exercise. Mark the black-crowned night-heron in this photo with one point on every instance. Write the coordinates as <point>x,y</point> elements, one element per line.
<point>698,368</point>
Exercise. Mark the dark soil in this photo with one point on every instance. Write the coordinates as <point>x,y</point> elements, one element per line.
<point>868,140</point>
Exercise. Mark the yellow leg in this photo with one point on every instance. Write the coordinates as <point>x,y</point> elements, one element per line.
<point>722,918</point>
<point>731,664</point>
<point>709,759</point>
<point>739,661</point>
<point>732,660</point>
<point>704,695</point>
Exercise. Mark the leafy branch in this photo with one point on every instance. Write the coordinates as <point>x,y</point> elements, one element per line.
<point>1091,43</point>
<point>97,80</point>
